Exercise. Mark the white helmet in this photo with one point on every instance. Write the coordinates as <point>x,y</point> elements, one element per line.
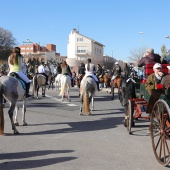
<point>116,62</point>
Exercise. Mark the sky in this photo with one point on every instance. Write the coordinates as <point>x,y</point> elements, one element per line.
<point>114,23</point>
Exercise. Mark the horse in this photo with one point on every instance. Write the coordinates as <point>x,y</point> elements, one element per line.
<point>39,81</point>
<point>79,78</point>
<point>115,83</point>
<point>106,80</point>
<point>12,90</point>
<point>57,82</point>
<point>65,87</point>
<point>87,91</point>
<point>127,92</point>
<point>51,81</point>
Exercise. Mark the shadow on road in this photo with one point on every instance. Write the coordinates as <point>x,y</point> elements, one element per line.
<point>35,163</point>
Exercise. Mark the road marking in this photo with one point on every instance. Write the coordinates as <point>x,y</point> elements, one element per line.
<point>59,100</point>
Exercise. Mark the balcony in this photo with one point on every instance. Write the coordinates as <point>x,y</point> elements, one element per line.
<point>83,53</point>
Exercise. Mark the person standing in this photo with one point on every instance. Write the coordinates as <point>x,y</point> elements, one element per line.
<point>89,70</point>
<point>41,70</point>
<point>15,62</point>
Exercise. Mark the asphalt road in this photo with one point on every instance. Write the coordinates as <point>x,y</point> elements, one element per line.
<point>58,138</point>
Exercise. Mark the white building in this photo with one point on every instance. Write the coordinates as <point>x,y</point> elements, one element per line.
<point>80,47</point>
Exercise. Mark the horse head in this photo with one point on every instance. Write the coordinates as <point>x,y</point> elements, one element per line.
<point>127,90</point>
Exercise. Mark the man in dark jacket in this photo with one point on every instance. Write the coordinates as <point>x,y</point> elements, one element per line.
<point>149,58</point>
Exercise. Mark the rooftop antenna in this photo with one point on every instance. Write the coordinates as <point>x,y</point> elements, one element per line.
<point>27,41</point>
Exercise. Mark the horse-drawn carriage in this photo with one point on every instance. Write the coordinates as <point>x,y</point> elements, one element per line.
<point>157,111</point>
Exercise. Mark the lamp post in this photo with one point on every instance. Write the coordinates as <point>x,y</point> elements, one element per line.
<point>112,53</point>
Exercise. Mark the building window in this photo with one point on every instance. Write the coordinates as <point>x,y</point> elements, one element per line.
<point>81,49</point>
<point>79,39</point>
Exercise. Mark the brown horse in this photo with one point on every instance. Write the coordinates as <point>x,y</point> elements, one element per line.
<point>116,83</point>
<point>79,78</point>
<point>106,80</point>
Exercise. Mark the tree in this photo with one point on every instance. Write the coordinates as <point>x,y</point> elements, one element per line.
<point>164,51</point>
<point>7,42</point>
<point>136,54</point>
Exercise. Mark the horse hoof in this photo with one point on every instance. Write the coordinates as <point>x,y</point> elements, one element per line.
<point>25,124</point>
<point>16,132</point>
<point>16,124</point>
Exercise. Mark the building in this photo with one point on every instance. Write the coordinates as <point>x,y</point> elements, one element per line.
<point>80,47</point>
<point>30,50</point>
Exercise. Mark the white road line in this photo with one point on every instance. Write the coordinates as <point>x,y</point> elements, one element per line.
<point>59,100</point>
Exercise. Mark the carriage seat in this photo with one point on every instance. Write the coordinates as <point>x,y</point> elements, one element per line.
<point>149,68</point>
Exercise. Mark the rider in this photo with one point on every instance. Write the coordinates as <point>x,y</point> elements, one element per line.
<point>41,70</point>
<point>99,71</point>
<point>90,68</point>
<point>81,70</point>
<point>66,69</point>
<point>15,62</point>
<point>116,70</point>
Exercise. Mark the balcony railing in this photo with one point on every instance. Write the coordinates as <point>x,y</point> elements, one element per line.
<point>83,52</point>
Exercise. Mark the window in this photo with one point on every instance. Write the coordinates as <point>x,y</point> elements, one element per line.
<point>81,49</point>
<point>79,39</point>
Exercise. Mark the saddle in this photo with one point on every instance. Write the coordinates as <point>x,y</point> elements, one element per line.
<point>13,74</point>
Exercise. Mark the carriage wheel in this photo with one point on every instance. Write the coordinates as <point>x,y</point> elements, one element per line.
<point>130,111</point>
<point>160,131</point>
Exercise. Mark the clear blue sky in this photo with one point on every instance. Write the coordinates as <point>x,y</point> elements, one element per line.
<point>114,23</point>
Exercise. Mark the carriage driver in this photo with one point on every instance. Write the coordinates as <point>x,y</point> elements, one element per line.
<point>154,78</point>
<point>41,70</point>
<point>89,69</point>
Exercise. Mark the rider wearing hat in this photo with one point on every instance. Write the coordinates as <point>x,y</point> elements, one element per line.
<point>116,70</point>
<point>41,70</point>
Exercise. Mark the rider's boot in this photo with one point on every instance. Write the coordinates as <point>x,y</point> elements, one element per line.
<point>98,86</point>
<point>27,90</point>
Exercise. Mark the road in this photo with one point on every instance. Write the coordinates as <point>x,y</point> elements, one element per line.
<point>58,138</point>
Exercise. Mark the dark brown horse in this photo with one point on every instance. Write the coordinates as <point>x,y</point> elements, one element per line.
<point>116,83</point>
<point>79,78</point>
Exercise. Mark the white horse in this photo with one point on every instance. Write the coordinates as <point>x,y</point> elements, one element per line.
<point>87,91</point>
<point>12,90</point>
<point>65,87</point>
<point>57,82</point>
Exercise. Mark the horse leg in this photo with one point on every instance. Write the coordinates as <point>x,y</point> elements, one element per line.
<point>16,116</point>
<point>112,91</point>
<point>68,96</point>
<point>23,112</point>
<point>10,113</point>
<point>37,91</point>
<point>81,106</point>
<point>1,115</point>
<point>91,101</point>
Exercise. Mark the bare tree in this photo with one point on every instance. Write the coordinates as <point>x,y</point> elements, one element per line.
<point>136,54</point>
<point>164,52</point>
<point>7,42</point>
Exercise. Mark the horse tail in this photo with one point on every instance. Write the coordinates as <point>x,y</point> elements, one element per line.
<point>63,85</point>
<point>35,84</point>
<point>86,100</point>
<point>1,112</point>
